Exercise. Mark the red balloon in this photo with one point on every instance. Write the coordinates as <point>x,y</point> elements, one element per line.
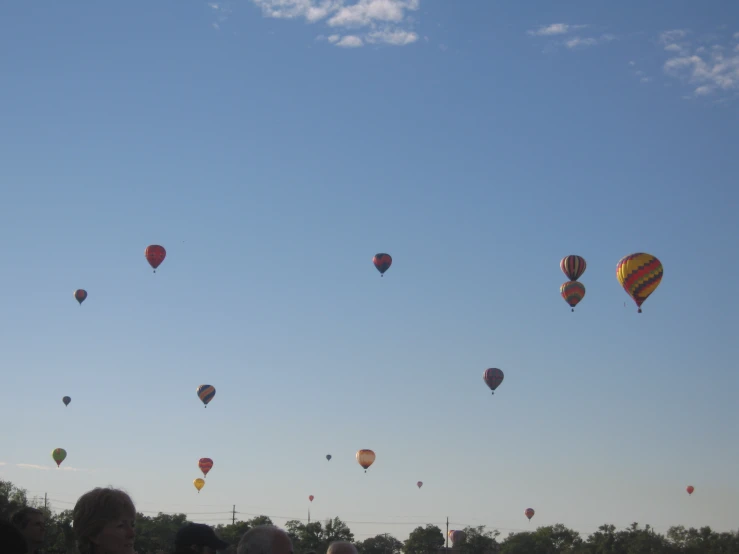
<point>382,262</point>
<point>311,498</point>
<point>529,513</point>
<point>690,489</point>
<point>205,465</point>
<point>80,295</point>
<point>155,255</point>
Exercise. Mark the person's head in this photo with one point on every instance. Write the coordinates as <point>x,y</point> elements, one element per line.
<point>198,538</point>
<point>31,522</point>
<point>265,539</point>
<point>11,539</point>
<point>341,547</point>
<point>103,522</point>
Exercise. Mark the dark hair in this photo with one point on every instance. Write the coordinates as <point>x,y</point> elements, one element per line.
<point>11,539</point>
<point>21,518</point>
<point>94,510</point>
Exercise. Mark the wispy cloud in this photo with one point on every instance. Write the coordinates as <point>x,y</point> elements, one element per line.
<point>561,34</point>
<point>554,29</point>
<point>357,22</point>
<point>710,68</point>
<point>221,10</point>
<point>46,468</point>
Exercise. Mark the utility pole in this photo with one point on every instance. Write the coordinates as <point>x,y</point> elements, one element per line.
<point>308,515</point>
<point>447,532</point>
<point>45,501</point>
<point>233,515</point>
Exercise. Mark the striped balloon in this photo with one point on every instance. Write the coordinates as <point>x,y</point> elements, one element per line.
<point>572,292</point>
<point>205,465</point>
<point>206,393</point>
<point>573,266</point>
<point>639,274</point>
<point>529,513</point>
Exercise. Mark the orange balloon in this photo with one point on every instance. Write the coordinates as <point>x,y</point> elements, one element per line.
<point>365,458</point>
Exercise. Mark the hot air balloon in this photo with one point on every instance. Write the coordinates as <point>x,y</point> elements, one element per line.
<point>199,483</point>
<point>205,465</point>
<point>493,377</point>
<point>66,400</point>
<point>365,458</point>
<point>573,267</point>
<point>572,292</point>
<point>58,454</point>
<point>311,497</point>
<point>529,513</point>
<point>155,255</point>
<point>80,295</point>
<point>328,457</point>
<point>382,262</point>
<point>640,275</point>
<point>206,393</point>
<point>456,536</point>
<point>419,484</point>
<point>690,489</point>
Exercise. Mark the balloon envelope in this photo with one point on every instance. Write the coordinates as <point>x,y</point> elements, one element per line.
<point>311,497</point>
<point>66,400</point>
<point>199,483</point>
<point>80,295</point>
<point>639,274</point>
<point>529,513</point>
<point>572,292</point>
<point>206,393</point>
<point>328,457</point>
<point>573,266</point>
<point>382,262</point>
<point>690,489</point>
<point>205,465</point>
<point>419,484</point>
<point>493,377</point>
<point>365,458</point>
<point>456,536</point>
<point>155,255</point>
<point>58,454</point>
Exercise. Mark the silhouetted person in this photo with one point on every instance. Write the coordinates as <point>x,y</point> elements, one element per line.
<point>265,539</point>
<point>197,538</point>
<point>31,522</point>
<point>12,540</point>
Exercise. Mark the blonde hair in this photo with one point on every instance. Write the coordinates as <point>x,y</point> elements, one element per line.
<point>94,510</point>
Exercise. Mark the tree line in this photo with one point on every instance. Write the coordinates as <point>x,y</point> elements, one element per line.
<point>155,535</point>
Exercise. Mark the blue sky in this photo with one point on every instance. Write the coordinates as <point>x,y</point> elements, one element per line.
<point>273,148</point>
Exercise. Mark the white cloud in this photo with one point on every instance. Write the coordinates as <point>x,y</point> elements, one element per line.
<point>554,29</point>
<point>32,466</point>
<point>371,21</point>
<point>579,42</point>
<point>350,41</point>
<point>47,468</point>
<point>668,37</point>
<point>709,71</point>
<point>736,36</point>
<point>221,11</point>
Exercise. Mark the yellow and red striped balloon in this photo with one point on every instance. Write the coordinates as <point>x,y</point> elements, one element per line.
<point>572,292</point>
<point>639,274</point>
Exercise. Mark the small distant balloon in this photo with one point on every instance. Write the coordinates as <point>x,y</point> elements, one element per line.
<point>206,393</point>
<point>493,377</point>
<point>572,292</point>
<point>419,484</point>
<point>382,263</point>
<point>80,295</point>
<point>205,465</point>
<point>199,483</point>
<point>66,400</point>
<point>311,497</point>
<point>328,457</point>
<point>58,454</point>
<point>155,255</point>
<point>573,266</point>
<point>365,458</point>
<point>529,513</point>
<point>690,489</point>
